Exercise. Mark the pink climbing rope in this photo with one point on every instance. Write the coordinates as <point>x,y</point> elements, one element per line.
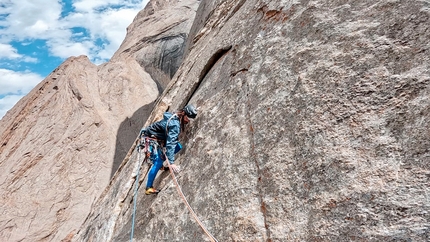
<point>178,188</point>
<point>181,194</point>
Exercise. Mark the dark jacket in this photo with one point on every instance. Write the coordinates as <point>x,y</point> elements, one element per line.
<point>169,136</point>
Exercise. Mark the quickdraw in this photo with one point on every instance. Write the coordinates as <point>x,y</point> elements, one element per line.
<point>148,145</point>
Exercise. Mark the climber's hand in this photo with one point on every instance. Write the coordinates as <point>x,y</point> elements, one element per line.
<point>175,168</point>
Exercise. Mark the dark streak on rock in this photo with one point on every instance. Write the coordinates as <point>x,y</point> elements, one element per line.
<point>209,64</point>
<point>236,8</point>
<point>151,39</point>
<point>236,72</point>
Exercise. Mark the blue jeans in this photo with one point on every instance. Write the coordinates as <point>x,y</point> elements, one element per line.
<point>157,163</point>
<point>157,158</point>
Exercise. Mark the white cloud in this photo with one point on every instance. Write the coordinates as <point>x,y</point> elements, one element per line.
<point>104,20</point>
<point>30,18</point>
<point>7,51</point>
<point>90,6</point>
<point>67,49</point>
<point>39,27</point>
<point>7,103</point>
<point>29,59</point>
<point>13,86</point>
<point>109,26</point>
<point>12,82</point>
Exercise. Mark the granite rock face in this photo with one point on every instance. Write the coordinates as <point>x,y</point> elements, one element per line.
<point>62,143</point>
<point>313,126</point>
<point>158,35</point>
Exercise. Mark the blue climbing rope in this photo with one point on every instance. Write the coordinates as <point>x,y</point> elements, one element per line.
<point>135,196</point>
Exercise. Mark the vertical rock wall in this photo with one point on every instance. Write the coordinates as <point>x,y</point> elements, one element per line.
<point>312,127</point>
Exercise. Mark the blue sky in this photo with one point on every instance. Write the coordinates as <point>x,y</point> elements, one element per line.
<point>36,36</point>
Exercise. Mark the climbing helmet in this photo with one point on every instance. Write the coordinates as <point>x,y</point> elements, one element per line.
<point>190,111</point>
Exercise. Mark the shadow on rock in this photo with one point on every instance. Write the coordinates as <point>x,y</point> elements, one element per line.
<point>127,133</point>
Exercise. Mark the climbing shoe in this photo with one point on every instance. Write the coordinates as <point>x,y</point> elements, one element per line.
<point>151,190</point>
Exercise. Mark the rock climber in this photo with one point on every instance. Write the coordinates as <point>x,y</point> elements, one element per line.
<point>165,133</point>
